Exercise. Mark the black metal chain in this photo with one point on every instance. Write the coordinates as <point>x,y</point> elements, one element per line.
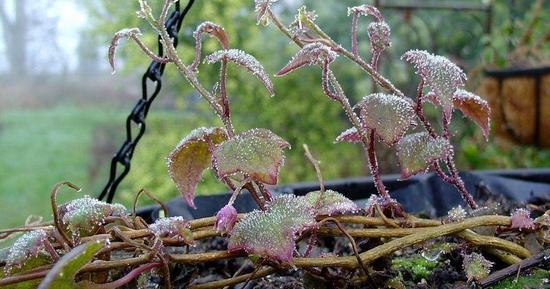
<point>136,119</point>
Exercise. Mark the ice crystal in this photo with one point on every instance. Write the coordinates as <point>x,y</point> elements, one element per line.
<point>191,157</point>
<point>310,54</point>
<point>389,115</point>
<point>475,108</point>
<point>521,220</point>
<point>416,152</point>
<point>456,214</point>
<point>330,202</point>
<point>173,227</point>
<point>257,153</point>
<point>439,74</point>
<point>84,216</point>
<point>365,10</point>
<point>476,266</point>
<point>28,246</point>
<point>226,219</point>
<point>349,135</point>
<point>245,60</point>
<point>272,233</point>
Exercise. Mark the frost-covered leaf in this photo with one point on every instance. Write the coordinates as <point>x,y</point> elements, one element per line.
<point>245,60</point>
<point>331,203</point>
<point>173,227</point>
<point>84,216</point>
<point>349,135</point>
<point>261,7</point>
<point>63,273</point>
<point>310,54</point>
<point>438,73</point>
<point>257,153</point>
<point>124,33</point>
<point>27,249</point>
<point>213,30</point>
<point>476,266</point>
<point>226,219</point>
<point>365,10</point>
<point>389,115</point>
<point>379,35</point>
<point>191,157</point>
<point>272,233</point>
<point>521,220</point>
<point>417,151</point>
<point>474,107</point>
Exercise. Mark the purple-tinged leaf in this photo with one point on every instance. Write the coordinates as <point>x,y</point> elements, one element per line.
<point>364,10</point>
<point>475,108</point>
<point>27,249</point>
<point>272,233</point>
<point>173,227</point>
<point>124,33</point>
<point>191,157</point>
<point>330,203</point>
<point>63,273</point>
<point>379,35</point>
<point>257,153</point>
<point>226,219</point>
<point>261,7</point>
<point>389,115</point>
<point>349,135</point>
<point>521,220</point>
<point>244,60</point>
<point>213,30</point>
<point>416,152</point>
<point>310,54</point>
<point>438,73</point>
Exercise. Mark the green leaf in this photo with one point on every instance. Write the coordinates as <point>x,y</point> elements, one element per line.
<point>330,203</point>
<point>475,108</point>
<point>389,115</point>
<point>257,153</point>
<point>416,152</point>
<point>63,273</point>
<point>191,157</point>
<point>272,233</point>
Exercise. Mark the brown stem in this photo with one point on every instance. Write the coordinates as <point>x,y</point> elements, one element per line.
<point>56,221</point>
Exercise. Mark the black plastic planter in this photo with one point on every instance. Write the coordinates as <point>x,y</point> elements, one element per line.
<point>426,193</point>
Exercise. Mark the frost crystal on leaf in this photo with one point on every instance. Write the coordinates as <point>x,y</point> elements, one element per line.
<point>84,216</point>
<point>173,227</point>
<point>261,7</point>
<point>521,220</point>
<point>476,266</point>
<point>257,153</point>
<point>379,35</point>
<point>365,10</point>
<point>438,73</point>
<point>456,214</point>
<point>331,203</point>
<point>245,60</point>
<point>226,219</point>
<point>310,54</point>
<point>475,108</point>
<point>272,233</point>
<point>416,152</point>
<point>349,135</point>
<point>29,245</point>
<point>214,30</point>
<point>389,115</point>
<point>191,157</point>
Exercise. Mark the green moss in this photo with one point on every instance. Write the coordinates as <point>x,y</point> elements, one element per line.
<point>537,279</point>
<point>416,265</point>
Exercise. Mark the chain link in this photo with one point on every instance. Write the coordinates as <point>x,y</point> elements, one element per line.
<point>136,119</point>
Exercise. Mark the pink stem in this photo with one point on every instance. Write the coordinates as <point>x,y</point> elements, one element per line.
<point>375,171</point>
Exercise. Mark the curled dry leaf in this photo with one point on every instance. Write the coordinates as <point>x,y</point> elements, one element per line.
<point>124,33</point>
<point>244,60</point>
<point>310,54</point>
<point>475,108</point>
<point>349,135</point>
<point>213,30</point>
<point>257,153</point>
<point>261,7</point>
<point>191,157</point>
<point>389,115</point>
<point>416,152</point>
<point>364,10</point>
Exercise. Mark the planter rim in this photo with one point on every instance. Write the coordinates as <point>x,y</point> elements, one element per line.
<point>517,71</point>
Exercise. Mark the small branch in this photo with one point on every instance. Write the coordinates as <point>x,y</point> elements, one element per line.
<point>373,164</point>
<point>53,200</point>
<point>419,109</point>
<point>315,164</point>
<point>234,280</point>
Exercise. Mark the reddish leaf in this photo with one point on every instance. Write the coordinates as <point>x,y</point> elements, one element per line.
<point>257,153</point>
<point>438,73</point>
<point>214,30</point>
<point>310,54</point>
<point>272,233</point>
<point>245,60</point>
<point>389,115</point>
<point>349,135</point>
<point>191,157</point>
<point>416,152</point>
<point>474,107</point>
